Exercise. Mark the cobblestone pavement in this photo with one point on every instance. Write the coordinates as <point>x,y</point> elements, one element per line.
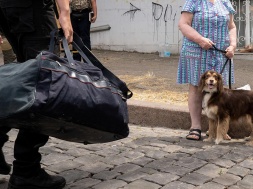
<point>150,158</point>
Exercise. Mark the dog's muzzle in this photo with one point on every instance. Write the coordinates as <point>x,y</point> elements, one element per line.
<point>210,85</point>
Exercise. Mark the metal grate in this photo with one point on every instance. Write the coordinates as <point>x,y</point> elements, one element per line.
<point>244,21</point>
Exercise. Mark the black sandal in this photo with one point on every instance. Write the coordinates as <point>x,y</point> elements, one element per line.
<point>194,132</point>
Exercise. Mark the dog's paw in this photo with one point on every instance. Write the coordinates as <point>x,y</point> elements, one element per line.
<point>250,143</point>
<point>208,139</point>
<point>247,138</point>
<point>217,141</point>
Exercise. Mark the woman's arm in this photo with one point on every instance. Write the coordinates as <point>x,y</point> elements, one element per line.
<point>185,27</point>
<point>232,37</point>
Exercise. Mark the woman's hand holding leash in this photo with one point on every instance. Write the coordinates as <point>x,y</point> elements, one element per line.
<point>230,51</point>
<point>206,43</point>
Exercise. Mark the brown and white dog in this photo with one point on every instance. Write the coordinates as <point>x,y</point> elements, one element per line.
<point>222,105</point>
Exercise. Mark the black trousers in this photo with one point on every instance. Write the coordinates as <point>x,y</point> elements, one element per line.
<point>81,25</point>
<point>27,28</point>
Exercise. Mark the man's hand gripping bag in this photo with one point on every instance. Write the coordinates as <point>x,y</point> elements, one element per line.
<point>64,98</point>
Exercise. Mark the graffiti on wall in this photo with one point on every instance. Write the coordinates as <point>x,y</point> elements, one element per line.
<point>164,15</point>
<point>160,15</point>
<point>132,11</point>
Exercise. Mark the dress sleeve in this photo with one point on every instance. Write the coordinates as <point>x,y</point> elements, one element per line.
<point>189,6</point>
<point>229,6</point>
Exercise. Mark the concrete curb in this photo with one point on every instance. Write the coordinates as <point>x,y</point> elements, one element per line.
<point>175,117</point>
<point>160,115</point>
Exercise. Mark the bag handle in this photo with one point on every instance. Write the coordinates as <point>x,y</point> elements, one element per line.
<point>57,35</point>
<point>224,65</point>
<point>89,58</point>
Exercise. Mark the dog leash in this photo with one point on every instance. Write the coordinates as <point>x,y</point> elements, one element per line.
<point>224,65</point>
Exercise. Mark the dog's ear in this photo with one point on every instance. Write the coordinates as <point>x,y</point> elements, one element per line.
<point>220,83</point>
<point>202,82</point>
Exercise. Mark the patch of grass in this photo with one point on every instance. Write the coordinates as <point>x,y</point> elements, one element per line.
<point>150,88</point>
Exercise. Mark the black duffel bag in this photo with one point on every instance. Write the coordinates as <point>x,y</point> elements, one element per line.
<point>64,98</point>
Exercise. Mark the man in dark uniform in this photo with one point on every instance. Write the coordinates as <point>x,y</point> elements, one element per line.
<point>83,13</point>
<point>27,25</point>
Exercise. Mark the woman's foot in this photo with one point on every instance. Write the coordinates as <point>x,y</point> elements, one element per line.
<point>194,134</point>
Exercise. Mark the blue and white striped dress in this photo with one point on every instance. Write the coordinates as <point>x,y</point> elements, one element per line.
<point>211,21</point>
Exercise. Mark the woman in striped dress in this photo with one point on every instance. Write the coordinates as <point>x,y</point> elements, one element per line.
<point>204,23</point>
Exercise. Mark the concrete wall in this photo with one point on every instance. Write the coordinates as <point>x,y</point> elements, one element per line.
<point>138,25</point>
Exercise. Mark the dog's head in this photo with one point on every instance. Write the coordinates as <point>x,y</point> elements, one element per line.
<point>211,82</point>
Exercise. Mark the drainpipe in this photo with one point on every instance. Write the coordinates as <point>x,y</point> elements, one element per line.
<point>100,28</point>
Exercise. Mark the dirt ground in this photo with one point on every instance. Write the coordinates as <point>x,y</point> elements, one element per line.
<point>148,76</point>
<point>152,78</point>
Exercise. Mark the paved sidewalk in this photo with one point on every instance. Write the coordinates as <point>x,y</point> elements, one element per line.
<point>150,158</point>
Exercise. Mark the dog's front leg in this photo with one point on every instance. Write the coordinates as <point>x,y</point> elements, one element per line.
<point>212,130</point>
<point>250,138</point>
<point>222,129</point>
